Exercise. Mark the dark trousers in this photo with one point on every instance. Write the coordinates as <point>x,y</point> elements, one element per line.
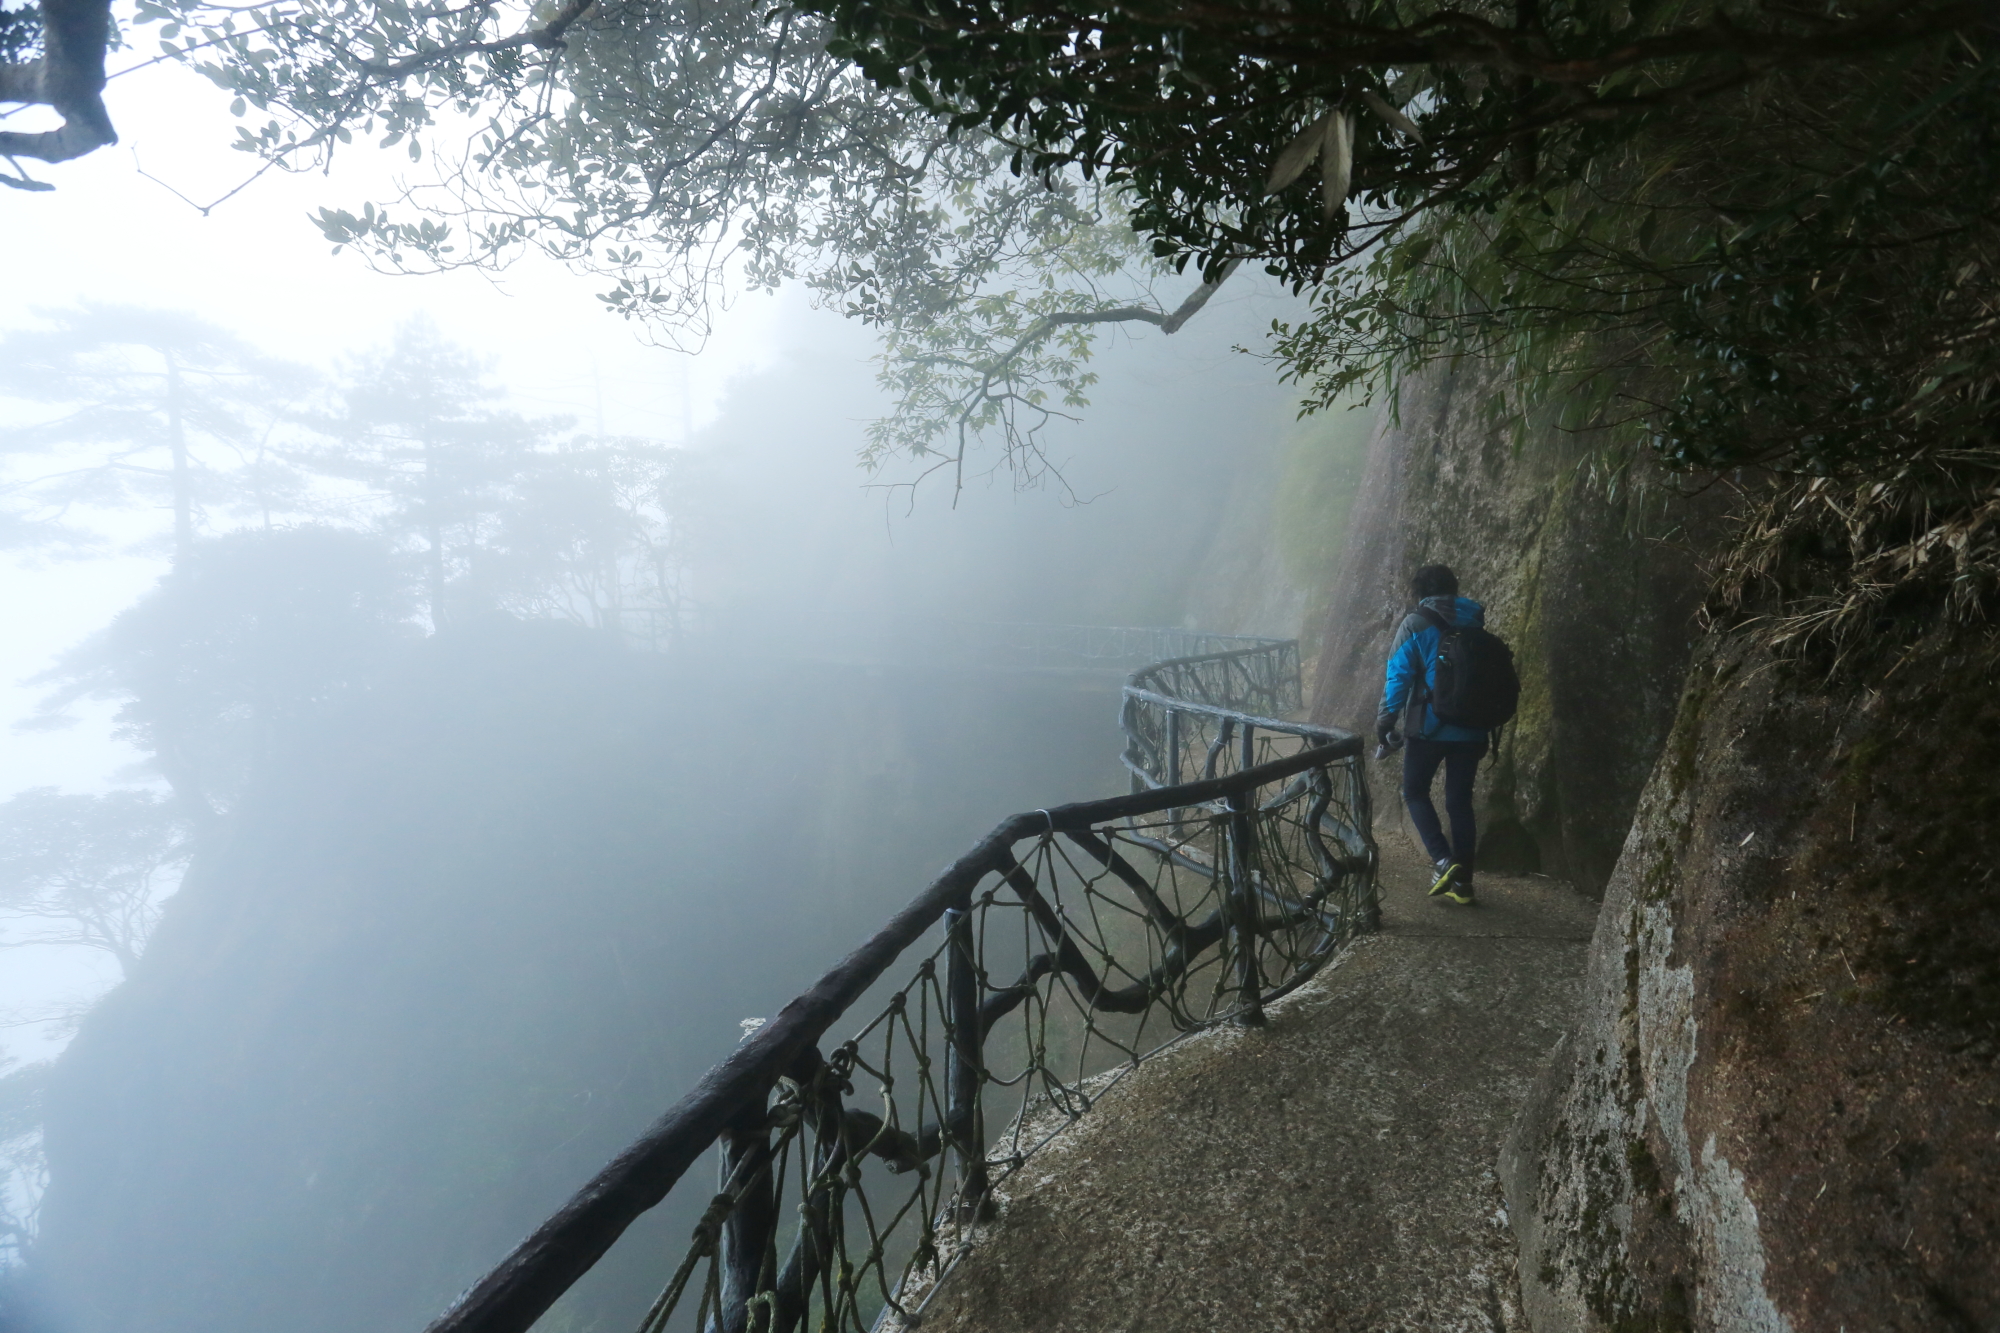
<point>1461,763</point>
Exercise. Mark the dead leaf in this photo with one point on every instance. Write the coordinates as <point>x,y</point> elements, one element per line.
<point>1298,154</point>
<point>1375,102</point>
<point>1336,163</point>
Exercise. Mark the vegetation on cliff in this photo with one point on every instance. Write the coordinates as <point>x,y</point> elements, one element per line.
<point>1753,243</point>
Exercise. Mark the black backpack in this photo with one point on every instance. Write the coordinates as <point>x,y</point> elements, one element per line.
<point>1477,686</point>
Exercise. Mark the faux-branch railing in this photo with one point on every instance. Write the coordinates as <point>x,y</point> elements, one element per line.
<point>1075,942</point>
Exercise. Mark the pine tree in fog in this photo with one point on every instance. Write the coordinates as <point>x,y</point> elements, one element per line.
<point>416,429</point>
<point>141,408</point>
<point>594,535</point>
<point>86,870</point>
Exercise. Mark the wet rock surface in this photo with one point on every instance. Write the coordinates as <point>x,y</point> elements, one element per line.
<point>1334,1170</point>
<point>1781,1106</point>
<point>1594,580</point>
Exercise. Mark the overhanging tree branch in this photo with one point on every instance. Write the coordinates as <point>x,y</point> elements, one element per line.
<point>68,77</point>
<point>996,390</point>
<point>548,37</point>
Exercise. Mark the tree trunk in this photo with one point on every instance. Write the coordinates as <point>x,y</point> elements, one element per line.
<point>434,534</point>
<point>183,483</point>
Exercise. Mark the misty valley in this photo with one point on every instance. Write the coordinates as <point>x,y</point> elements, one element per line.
<point>1000,666</point>
<point>473,932</point>
<point>498,773</point>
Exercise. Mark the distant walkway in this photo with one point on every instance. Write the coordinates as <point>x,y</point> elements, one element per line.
<point>1334,1171</point>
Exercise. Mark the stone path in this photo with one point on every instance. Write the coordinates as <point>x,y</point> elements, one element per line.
<point>1333,1171</point>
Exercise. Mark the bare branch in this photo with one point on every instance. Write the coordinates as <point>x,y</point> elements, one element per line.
<point>545,38</point>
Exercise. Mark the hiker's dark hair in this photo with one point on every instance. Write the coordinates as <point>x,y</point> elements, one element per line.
<point>1433,581</point>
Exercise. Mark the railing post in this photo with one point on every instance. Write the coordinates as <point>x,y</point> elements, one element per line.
<point>1224,733</point>
<point>1243,911</point>
<point>1363,806</point>
<point>964,1069</point>
<point>1246,757</point>
<point>749,1261</point>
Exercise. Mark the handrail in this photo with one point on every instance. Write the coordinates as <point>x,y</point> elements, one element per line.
<point>1290,728</point>
<point>1241,895</point>
<point>1036,645</point>
<point>1260,678</point>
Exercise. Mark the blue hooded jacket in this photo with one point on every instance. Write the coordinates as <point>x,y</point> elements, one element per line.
<point>1414,659</point>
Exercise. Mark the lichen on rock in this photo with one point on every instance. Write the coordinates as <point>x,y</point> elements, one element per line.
<point>1809,1105</point>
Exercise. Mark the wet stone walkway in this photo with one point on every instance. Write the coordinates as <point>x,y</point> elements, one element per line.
<point>1332,1171</point>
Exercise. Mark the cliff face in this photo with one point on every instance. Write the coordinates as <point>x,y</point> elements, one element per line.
<point>1779,1108</point>
<point>1593,579</point>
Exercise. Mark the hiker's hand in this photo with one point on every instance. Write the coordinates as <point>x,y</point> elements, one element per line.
<point>1385,732</point>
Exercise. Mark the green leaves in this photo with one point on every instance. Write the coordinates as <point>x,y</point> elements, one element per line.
<point>950,173</point>
<point>1798,300</point>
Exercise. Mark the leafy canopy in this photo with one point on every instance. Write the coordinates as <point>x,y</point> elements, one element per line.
<point>1693,218</point>
<point>674,148</point>
<point>1551,185</point>
<point>1755,236</point>
<point>1735,189</point>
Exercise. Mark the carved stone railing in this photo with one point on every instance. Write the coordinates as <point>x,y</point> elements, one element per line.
<point>1196,717</point>
<point>1064,948</point>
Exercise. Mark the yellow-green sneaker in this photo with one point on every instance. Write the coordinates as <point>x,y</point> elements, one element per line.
<point>1449,874</point>
<point>1461,891</point>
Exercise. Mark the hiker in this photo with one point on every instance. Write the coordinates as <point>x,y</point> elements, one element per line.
<point>1478,694</point>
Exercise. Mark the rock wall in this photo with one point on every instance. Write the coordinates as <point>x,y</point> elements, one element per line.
<point>1780,1108</point>
<point>1287,514</point>
<point>1592,575</point>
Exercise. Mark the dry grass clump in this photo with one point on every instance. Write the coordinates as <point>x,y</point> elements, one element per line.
<point>1828,567</point>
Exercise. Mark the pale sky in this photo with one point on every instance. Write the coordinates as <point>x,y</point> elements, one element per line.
<point>256,265</point>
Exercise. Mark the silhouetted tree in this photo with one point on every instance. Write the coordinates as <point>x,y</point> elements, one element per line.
<point>592,535</point>
<point>88,869</point>
<point>415,428</point>
<point>23,1176</point>
<point>148,403</point>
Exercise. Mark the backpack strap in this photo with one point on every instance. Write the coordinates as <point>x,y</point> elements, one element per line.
<point>1420,693</point>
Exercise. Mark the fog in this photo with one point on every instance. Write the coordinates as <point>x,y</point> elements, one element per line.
<point>450,851</point>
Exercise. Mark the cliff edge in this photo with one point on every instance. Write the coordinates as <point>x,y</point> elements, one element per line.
<point>1332,1171</point>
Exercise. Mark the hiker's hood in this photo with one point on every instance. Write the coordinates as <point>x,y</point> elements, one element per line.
<point>1458,610</point>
